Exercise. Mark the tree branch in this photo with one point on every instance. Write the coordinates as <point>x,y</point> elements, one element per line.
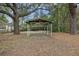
<point>11,7</point>
<point>4,12</point>
<point>26,14</point>
<point>7,5</point>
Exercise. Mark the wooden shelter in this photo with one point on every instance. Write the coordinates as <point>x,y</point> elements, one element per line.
<point>39,21</point>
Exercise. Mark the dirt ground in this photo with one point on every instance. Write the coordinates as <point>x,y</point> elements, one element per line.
<point>39,44</point>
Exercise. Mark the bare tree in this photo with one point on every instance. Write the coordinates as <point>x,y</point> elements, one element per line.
<point>73,26</point>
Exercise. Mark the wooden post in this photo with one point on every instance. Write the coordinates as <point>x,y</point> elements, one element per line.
<point>51,29</point>
<point>28,29</point>
<point>47,29</point>
<point>44,30</point>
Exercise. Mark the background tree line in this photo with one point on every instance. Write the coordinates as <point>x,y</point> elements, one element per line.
<point>62,16</point>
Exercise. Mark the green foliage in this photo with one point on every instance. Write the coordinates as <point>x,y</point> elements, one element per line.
<point>3,19</point>
<point>60,18</point>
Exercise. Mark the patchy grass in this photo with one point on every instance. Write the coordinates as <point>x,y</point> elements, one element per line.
<point>39,44</point>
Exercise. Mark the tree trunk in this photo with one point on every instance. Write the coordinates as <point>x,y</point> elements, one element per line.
<point>73,26</point>
<point>16,26</point>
